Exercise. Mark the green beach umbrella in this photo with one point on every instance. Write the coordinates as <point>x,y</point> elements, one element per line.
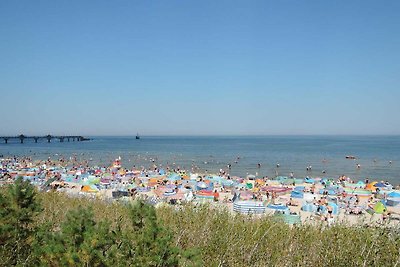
<point>379,208</point>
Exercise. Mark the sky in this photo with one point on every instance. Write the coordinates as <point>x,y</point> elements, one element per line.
<point>199,67</point>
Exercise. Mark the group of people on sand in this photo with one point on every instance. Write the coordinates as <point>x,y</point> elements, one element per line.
<point>44,168</point>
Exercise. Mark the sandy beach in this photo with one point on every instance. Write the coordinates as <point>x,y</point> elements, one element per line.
<point>309,200</point>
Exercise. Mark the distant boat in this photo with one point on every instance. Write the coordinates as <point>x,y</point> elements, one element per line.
<point>137,136</point>
<point>350,157</point>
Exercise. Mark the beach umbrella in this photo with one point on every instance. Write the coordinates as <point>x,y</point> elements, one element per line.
<point>297,194</point>
<point>174,177</point>
<point>202,185</point>
<point>394,194</point>
<point>380,185</point>
<point>371,186</point>
<point>379,208</point>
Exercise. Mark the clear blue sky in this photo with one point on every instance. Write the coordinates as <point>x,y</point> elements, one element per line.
<point>199,67</point>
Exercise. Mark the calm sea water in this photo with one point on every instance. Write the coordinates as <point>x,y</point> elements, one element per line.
<point>293,153</point>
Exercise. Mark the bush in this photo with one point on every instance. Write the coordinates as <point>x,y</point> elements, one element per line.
<point>18,210</point>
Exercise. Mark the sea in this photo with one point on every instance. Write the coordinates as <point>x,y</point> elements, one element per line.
<point>378,156</point>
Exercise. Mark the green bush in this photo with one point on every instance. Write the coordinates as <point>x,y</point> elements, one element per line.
<point>18,210</point>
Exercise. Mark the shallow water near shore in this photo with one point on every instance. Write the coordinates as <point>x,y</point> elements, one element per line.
<point>212,153</point>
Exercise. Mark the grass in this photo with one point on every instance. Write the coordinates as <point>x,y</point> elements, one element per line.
<point>224,239</point>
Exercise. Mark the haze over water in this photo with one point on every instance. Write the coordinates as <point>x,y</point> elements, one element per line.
<point>211,153</point>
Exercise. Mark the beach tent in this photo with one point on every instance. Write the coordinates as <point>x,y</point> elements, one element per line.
<point>297,194</point>
<point>309,207</point>
<point>335,208</point>
<point>204,195</point>
<point>278,207</point>
<point>393,201</point>
<point>89,189</point>
<point>249,207</point>
<point>299,188</point>
<point>309,180</point>
<point>379,207</point>
<point>169,192</point>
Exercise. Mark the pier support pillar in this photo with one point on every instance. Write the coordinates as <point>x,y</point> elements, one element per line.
<point>48,140</point>
<point>6,140</point>
<point>22,140</point>
<point>61,139</point>
<point>36,139</point>
<point>68,139</point>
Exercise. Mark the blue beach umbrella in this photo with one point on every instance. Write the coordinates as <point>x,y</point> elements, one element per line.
<point>381,185</point>
<point>394,194</point>
<point>174,177</point>
<point>202,185</point>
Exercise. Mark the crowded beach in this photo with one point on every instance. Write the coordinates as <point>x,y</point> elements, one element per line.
<point>290,199</point>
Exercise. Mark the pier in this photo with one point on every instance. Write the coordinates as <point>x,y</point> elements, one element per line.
<point>21,138</point>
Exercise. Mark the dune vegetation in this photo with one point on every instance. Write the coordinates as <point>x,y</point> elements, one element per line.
<point>52,229</point>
